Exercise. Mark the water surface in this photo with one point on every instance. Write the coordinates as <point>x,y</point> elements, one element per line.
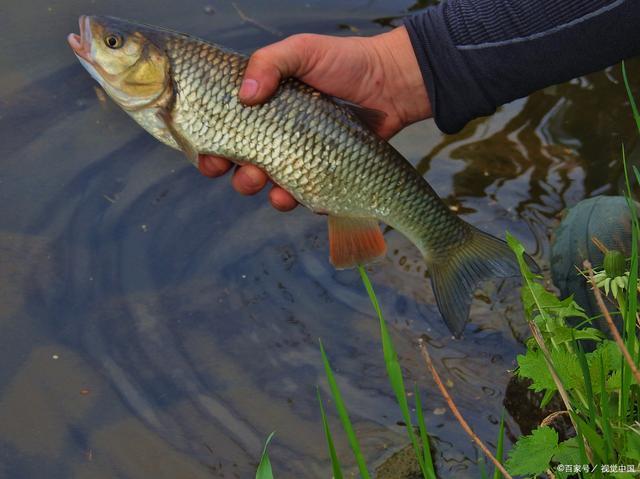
<point>153,323</point>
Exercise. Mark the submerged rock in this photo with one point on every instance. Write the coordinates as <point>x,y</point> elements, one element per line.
<point>400,465</point>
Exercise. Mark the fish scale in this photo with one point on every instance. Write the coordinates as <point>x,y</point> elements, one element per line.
<point>274,137</point>
<point>312,145</point>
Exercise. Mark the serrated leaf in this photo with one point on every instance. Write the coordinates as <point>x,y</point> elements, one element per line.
<point>535,298</point>
<point>632,441</point>
<point>568,452</point>
<point>589,333</point>
<point>611,357</point>
<point>568,368</point>
<point>532,454</point>
<point>610,353</point>
<point>532,365</point>
<point>570,309</point>
<point>614,382</point>
<point>564,334</point>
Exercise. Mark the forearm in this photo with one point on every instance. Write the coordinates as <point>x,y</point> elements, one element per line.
<point>476,55</point>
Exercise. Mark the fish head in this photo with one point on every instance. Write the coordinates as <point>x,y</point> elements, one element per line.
<point>127,59</point>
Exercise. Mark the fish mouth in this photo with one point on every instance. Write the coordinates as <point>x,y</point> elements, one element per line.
<point>81,44</point>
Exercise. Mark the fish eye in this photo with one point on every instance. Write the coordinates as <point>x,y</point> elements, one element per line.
<point>113,41</point>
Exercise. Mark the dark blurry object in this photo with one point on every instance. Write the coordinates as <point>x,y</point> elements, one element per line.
<point>605,217</point>
<point>523,405</point>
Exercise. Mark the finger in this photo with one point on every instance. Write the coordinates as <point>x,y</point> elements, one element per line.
<point>249,179</point>
<point>213,166</point>
<point>282,200</point>
<point>268,65</point>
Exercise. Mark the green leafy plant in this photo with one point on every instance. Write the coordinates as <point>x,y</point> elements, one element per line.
<point>344,416</point>
<point>419,440</point>
<point>601,410</point>
<point>599,388</point>
<point>421,448</point>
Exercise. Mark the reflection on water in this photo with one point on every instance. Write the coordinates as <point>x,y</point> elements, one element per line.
<point>155,324</point>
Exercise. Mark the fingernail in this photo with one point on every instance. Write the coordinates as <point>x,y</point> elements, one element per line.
<point>248,89</point>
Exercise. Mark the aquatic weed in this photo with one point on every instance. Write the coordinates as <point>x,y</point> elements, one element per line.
<point>600,389</point>
<point>420,444</point>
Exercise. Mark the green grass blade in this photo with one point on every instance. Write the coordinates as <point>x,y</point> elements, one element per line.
<point>264,468</point>
<point>500,447</point>
<point>586,375</point>
<point>369,287</point>
<point>394,372</point>
<point>583,453</point>
<point>629,313</point>
<point>482,464</point>
<point>632,299</point>
<point>632,101</point>
<point>335,463</point>
<point>595,441</point>
<point>609,444</point>
<point>424,438</point>
<point>631,339</point>
<point>344,416</point>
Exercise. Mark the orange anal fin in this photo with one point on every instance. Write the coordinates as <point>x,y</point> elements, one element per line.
<point>354,241</point>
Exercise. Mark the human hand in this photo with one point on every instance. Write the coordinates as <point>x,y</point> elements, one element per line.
<point>379,72</point>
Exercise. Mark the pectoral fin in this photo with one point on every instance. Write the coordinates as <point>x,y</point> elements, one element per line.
<point>185,145</point>
<point>354,241</point>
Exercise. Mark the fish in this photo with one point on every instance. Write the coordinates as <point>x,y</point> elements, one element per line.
<point>322,150</point>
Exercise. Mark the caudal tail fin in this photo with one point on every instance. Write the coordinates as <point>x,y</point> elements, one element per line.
<point>456,278</point>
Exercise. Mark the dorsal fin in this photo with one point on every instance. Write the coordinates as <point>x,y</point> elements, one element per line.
<point>370,117</point>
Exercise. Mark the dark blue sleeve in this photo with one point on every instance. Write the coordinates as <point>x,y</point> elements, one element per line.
<point>476,55</point>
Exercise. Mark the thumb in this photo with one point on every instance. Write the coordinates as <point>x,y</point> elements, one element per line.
<point>271,64</point>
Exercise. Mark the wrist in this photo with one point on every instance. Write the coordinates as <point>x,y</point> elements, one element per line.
<point>403,82</point>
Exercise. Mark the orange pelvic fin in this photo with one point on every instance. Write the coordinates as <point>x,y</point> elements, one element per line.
<point>354,241</point>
